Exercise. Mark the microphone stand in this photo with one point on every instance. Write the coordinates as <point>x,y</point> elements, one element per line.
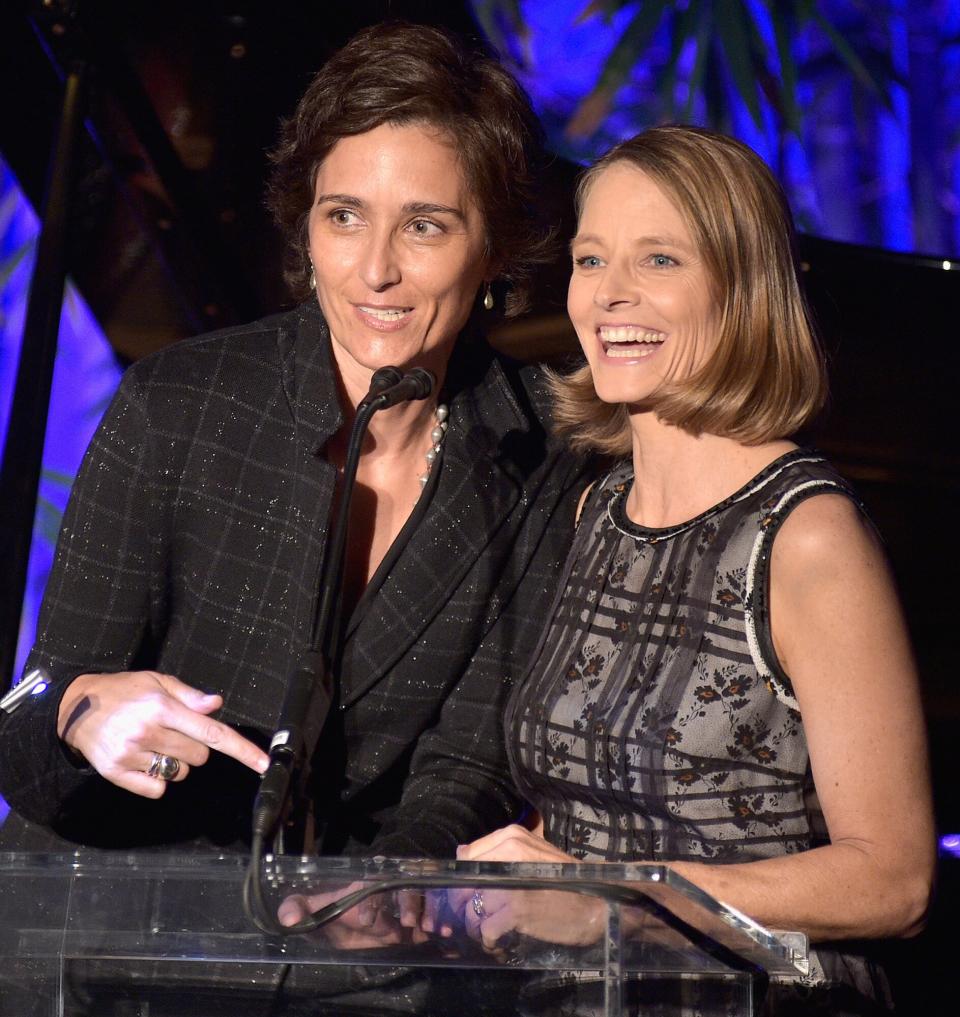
<point>310,691</point>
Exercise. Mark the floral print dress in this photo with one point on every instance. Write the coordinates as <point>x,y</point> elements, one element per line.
<point>655,722</point>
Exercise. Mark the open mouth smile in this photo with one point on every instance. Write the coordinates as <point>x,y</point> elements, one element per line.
<point>386,313</point>
<point>629,341</point>
<point>382,317</point>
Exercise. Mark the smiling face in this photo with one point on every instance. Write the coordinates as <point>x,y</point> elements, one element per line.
<point>640,296</point>
<point>397,246</point>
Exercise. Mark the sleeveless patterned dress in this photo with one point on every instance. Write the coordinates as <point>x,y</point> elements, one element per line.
<point>655,722</point>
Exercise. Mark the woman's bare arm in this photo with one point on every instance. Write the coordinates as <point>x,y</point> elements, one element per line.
<point>839,633</point>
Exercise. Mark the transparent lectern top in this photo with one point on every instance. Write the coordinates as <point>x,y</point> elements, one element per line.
<point>68,918</point>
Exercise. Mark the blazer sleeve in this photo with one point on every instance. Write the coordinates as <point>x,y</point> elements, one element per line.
<point>95,606</point>
<point>459,786</point>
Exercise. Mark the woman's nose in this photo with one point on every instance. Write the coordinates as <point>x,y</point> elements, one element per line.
<point>379,266</point>
<point>614,287</point>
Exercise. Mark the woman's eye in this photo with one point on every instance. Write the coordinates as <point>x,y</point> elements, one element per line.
<point>662,260</point>
<point>424,228</point>
<point>343,217</point>
<point>588,261</point>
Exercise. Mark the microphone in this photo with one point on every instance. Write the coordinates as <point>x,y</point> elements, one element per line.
<point>417,383</point>
<point>383,378</point>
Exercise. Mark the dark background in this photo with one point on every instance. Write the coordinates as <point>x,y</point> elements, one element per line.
<point>169,237</point>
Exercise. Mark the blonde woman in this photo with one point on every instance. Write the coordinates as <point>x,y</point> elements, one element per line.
<point>725,682</point>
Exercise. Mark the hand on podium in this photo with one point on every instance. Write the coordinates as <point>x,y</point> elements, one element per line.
<point>383,919</point>
<point>551,916</point>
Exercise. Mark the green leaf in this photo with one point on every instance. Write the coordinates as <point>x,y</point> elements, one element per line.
<point>605,8</point>
<point>9,264</point>
<point>484,12</point>
<point>790,108</point>
<point>682,30</point>
<point>493,13</point>
<point>632,42</point>
<point>57,477</point>
<point>698,74</point>
<point>48,519</point>
<point>734,39</point>
<point>717,108</point>
<point>514,16</point>
<point>591,111</point>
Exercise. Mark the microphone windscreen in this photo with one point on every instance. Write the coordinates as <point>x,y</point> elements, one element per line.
<point>423,382</point>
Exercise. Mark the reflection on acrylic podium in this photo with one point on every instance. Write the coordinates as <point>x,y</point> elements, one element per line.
<point>152,935</point>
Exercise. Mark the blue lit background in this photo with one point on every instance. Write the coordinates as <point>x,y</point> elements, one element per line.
<point>85,376</point>
<point>862,168</point>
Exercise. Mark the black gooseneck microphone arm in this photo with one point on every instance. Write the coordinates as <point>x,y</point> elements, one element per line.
<point>309,694</point>
<point>310,689</point>
<point>415,384</point>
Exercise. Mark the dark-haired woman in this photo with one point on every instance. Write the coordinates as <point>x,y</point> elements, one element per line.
<point>725,682</point>
<point>186,572</point>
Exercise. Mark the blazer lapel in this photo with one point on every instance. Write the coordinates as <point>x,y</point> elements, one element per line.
<point>308,381</point>
<point>475,494</point>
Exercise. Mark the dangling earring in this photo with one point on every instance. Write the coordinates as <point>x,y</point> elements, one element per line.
<point>312,281</point>
<point>488,299</point>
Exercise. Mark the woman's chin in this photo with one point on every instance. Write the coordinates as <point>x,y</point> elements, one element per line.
<point>633,395</point>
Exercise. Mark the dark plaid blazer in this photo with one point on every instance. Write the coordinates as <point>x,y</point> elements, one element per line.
<point>192,544</point>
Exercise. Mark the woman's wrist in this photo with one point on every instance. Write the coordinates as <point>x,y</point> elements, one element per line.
<point>70,710</point>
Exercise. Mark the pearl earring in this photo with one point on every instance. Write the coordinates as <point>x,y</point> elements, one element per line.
<point>488,299</point>
<point>312,281</point>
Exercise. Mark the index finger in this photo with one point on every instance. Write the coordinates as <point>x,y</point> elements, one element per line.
<point>220,737</point>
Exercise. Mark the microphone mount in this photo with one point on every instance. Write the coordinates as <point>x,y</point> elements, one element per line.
<point>310,691</point>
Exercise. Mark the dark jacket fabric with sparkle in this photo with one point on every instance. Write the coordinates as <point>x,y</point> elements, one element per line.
<point>192,544</point>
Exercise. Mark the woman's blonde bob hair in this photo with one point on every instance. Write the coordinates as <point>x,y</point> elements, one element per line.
<point>766,377</point>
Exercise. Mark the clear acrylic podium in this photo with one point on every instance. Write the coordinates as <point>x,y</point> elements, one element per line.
<point>151,935</point>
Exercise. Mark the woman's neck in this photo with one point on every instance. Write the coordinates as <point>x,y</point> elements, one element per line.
<point>677,475</point>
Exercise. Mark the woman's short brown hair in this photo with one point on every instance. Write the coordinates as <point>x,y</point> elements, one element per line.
<point>766,377</point>
<point>398,73</point>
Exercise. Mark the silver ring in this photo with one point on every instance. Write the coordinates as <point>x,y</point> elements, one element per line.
<point>477,901</point>
<point>163,767</point>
